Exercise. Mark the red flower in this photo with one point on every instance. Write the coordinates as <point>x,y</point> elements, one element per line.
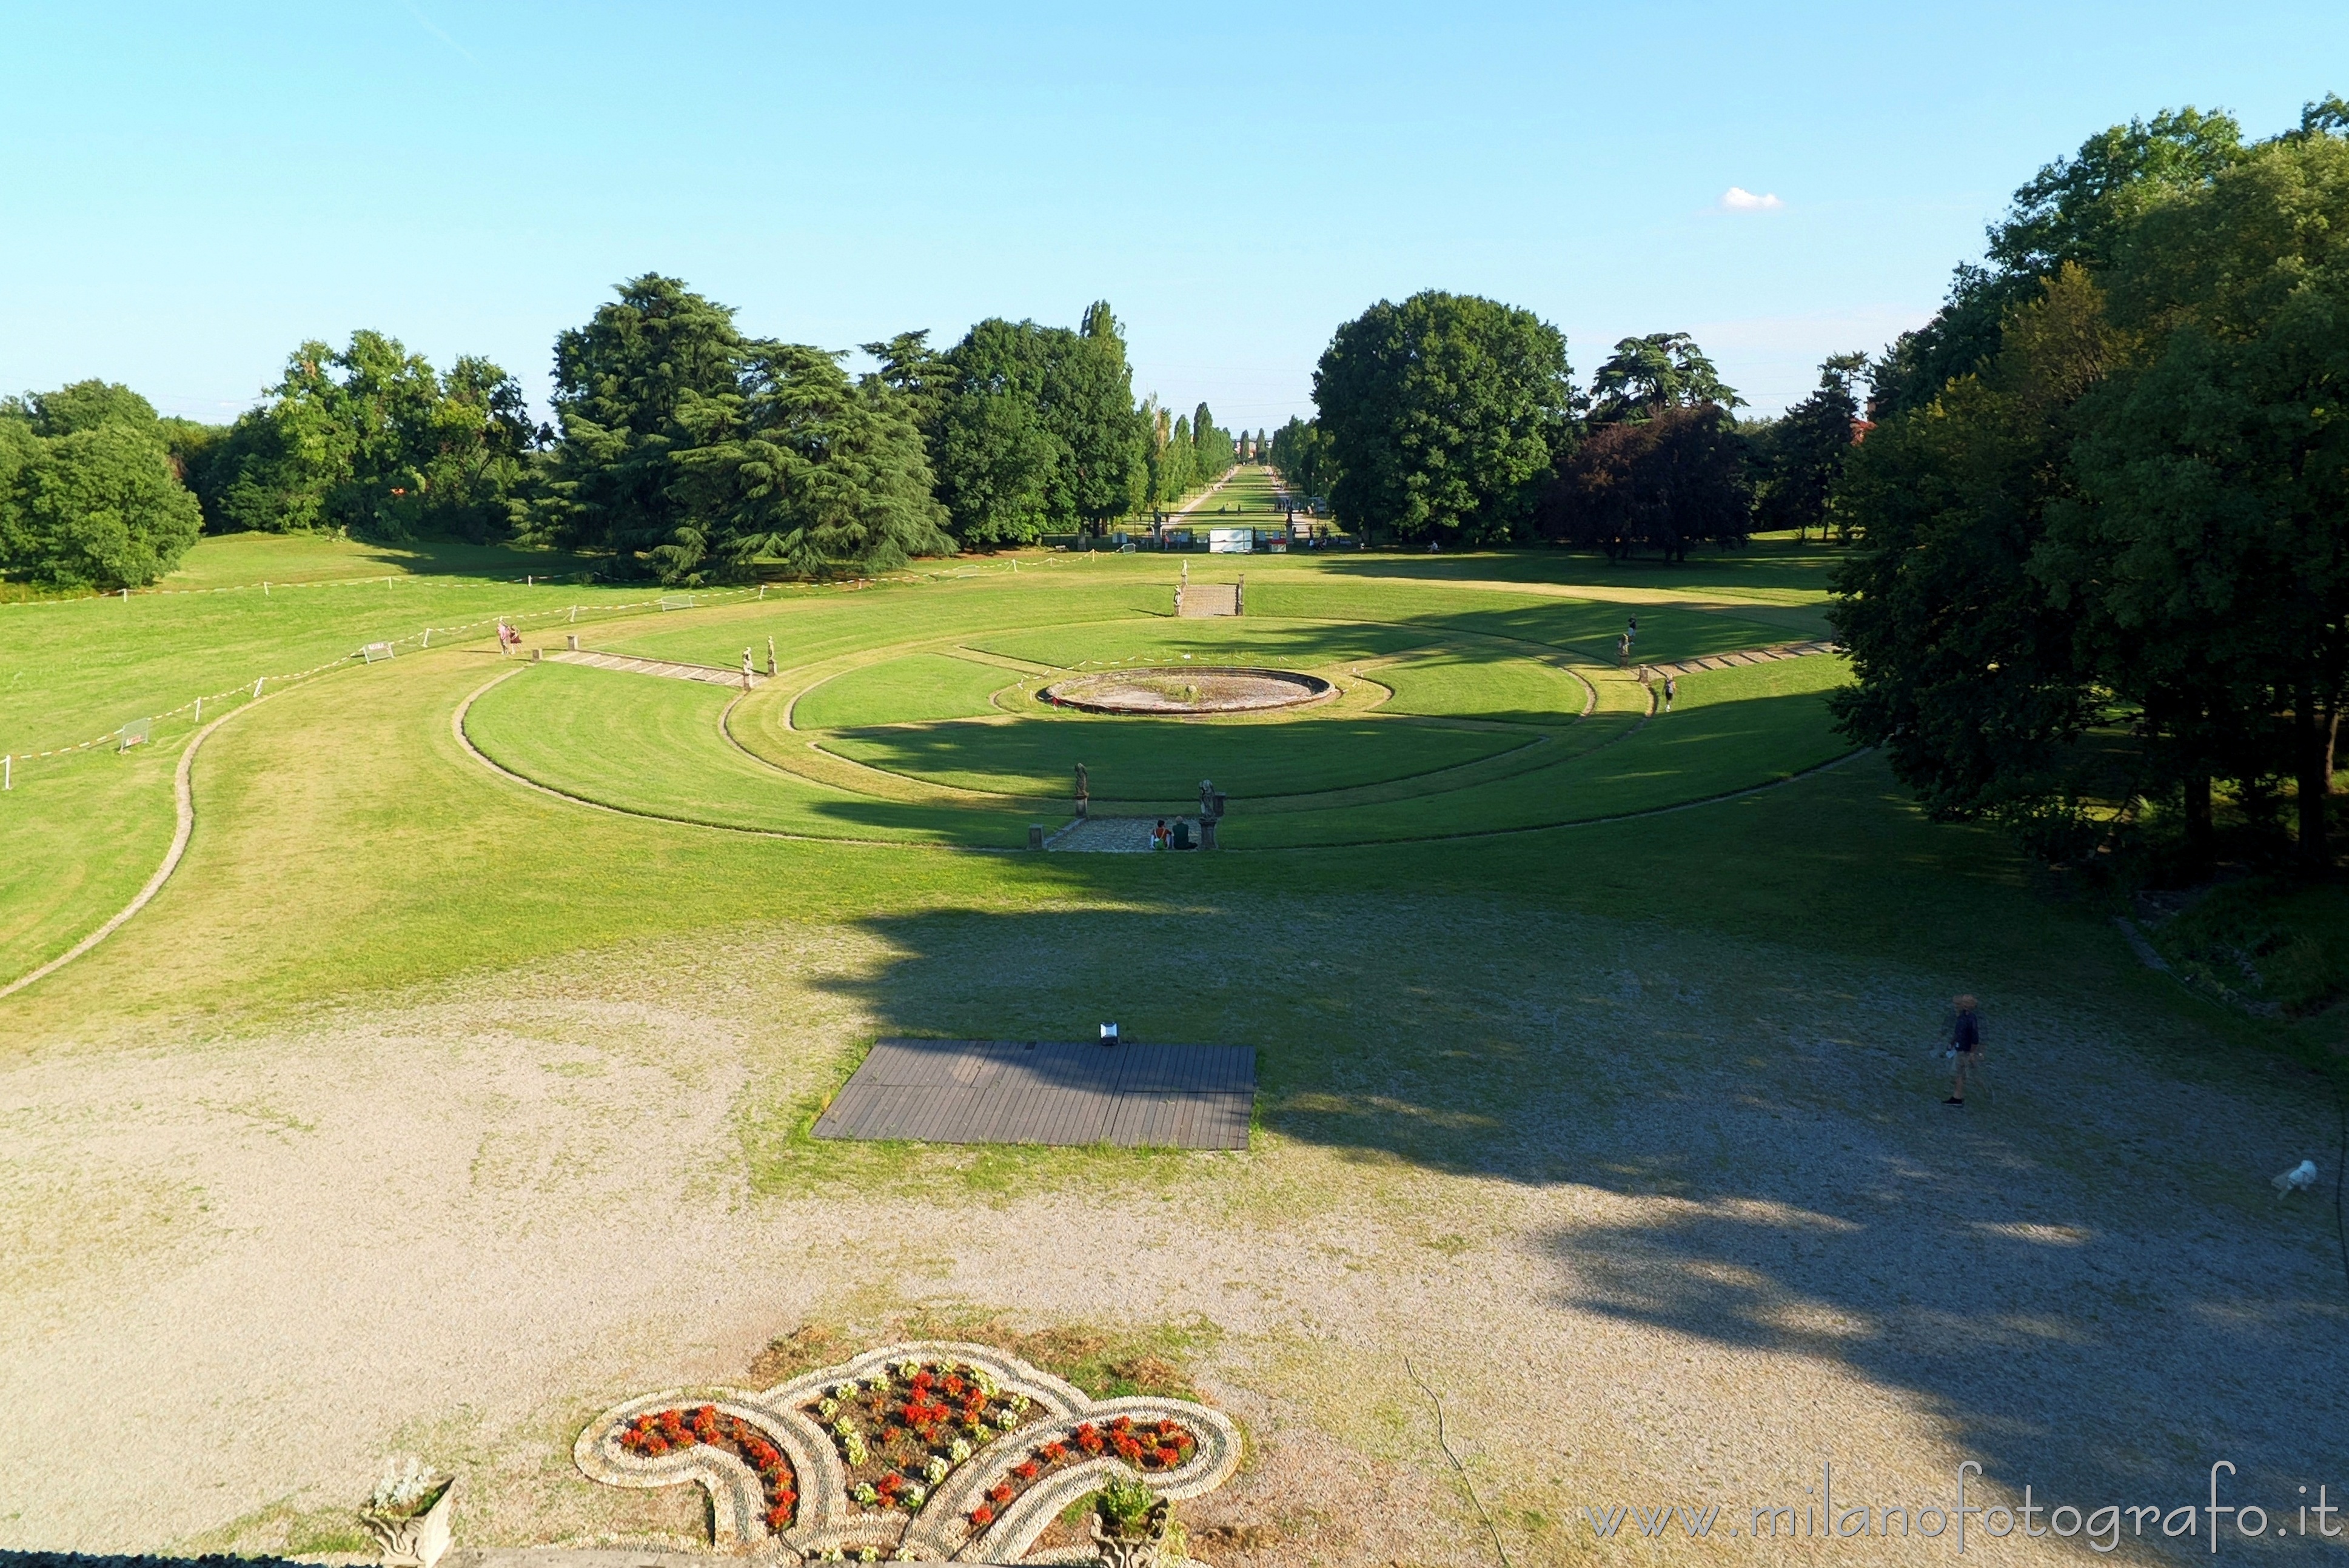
<point>1000,1492</point>
<point>1028,1470</point>
<point>982,1516</point>
<point>1170,1457</point>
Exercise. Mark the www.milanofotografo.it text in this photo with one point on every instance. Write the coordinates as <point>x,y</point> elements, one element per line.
<point>1964,1521</point>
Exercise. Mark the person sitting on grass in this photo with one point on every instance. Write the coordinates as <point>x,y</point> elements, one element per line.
<point>1965,1046</point>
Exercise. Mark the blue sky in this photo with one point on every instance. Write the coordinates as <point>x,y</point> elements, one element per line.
<point>187,192</point>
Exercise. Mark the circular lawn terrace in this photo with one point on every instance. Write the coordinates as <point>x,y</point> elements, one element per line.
<point>1182,688</point>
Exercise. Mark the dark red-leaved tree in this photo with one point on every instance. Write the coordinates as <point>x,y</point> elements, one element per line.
<point>1667,482</point>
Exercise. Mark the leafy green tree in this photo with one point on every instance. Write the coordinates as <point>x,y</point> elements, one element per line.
<point>1300,450</point>
<point>85,406</point>
<point>100,506</point>
<point>1646,376</point>
<point>2076,209</point>
<point>1966,671</point>
<point>1806,449</point>
<point>1664,483</point>
<point>1078,393</point>
<point>1444,416</point>
<point>2206,553</point>
<point>619,384</point>
<point>996,468</point>
<point>373,441</point>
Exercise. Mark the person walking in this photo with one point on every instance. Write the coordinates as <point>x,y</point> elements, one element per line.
<point>1631,628</point>
<point>1965,1051</point>
<point>1671,690</point>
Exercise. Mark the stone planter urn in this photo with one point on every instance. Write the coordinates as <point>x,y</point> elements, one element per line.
<point>416,1539</point>
<point>1130,1546</point>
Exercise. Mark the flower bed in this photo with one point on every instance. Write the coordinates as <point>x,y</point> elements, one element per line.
<point>664,1432</point>
<point>909,1425</point>
<point>1147,1446</point>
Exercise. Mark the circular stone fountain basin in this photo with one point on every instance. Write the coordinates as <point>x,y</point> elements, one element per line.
<point>1188,688</point>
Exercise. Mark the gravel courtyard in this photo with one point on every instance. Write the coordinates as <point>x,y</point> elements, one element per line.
<point>1659,1228</point>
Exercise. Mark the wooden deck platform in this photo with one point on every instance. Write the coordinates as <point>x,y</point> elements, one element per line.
<point>1048,1091</point>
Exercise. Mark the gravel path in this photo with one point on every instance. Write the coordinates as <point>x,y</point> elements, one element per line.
<point>1729,1236</point>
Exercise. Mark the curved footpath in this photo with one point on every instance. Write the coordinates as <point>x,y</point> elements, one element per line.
<point>183,799</point>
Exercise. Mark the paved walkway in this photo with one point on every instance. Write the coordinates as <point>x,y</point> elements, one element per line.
<point>671,668</point>
<point>1114,835</point>
<point>1748,657</point>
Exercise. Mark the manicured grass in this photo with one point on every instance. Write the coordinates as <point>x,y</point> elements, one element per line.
<point>73,669</point>
<point>1157,760</point>
<point>911,690</point>
<point>1730,730</point>
<point>1484,684</point>
<point>652,746</point>
<point>77,838</point>
<point>1227,640</point>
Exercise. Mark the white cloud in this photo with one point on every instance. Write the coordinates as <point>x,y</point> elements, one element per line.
<point>1737,198</point>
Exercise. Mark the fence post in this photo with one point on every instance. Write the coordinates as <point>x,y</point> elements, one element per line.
<point>428,636</point>
<point>265,587</point>
<point>575,615</point>
<point>200,710</point>
<point>256,686</point>
<point>8,772</point>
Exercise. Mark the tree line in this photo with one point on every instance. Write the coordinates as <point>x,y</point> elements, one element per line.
<point>1453,418</point>
<point>680,449</point>
<point>2102,519</point>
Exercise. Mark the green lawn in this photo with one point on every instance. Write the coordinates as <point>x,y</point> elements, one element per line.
<point>1484,683</point>
<point>911,690</point>
<point>1159,760</point>
<point>1251,639</point>
<point>653,746</point>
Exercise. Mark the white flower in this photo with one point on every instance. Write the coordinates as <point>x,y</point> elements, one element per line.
<point>912,1496</point>
<point>866,1495</point>
<point>401,1489</point>
<point>936,1470</point>
<point>958,1451</point>
<point>828,1410</point>
<point>907,1368</point>
<point>1007,1420</point>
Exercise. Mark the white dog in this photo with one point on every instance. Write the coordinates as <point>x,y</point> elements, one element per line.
<point>2299,1179</point>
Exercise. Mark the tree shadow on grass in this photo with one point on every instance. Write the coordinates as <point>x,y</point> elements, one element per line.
<point>2080,1276</point>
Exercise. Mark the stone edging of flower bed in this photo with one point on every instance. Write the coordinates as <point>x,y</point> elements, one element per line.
<point>828,1520</point>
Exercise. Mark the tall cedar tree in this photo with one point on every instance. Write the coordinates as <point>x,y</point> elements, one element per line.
<point>801,465</point>
<point>619,384</point>
<point>1444,416</point>
<point>1645,375</point>
<point>1806,449</point>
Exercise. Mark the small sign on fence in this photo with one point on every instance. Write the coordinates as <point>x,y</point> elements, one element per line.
<point>375,651</point>
<point>134,733</point>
